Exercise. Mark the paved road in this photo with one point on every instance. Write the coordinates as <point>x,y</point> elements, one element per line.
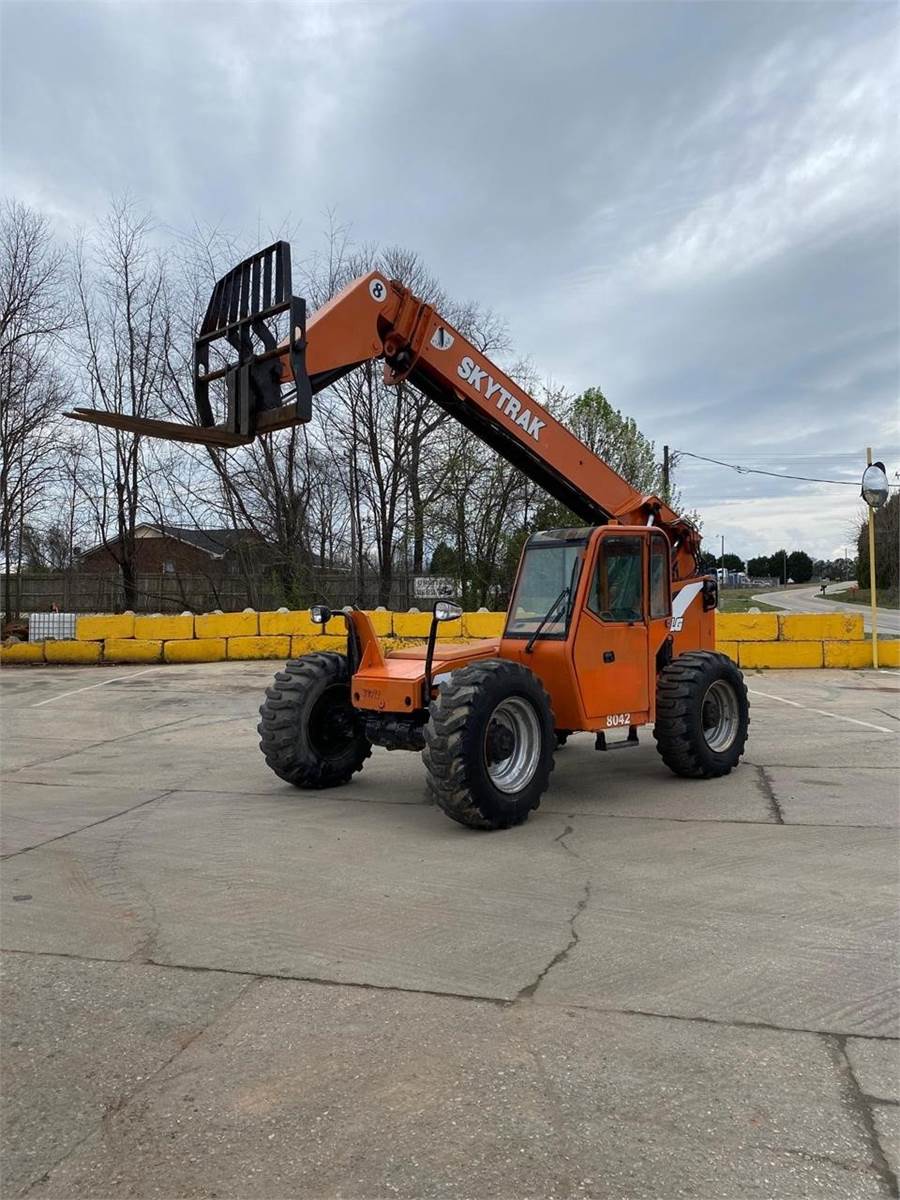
<point>809,600</point>
<point>218,986</point>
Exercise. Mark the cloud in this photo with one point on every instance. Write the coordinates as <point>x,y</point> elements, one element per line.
<point>797,172</point>
<point>823,522</point>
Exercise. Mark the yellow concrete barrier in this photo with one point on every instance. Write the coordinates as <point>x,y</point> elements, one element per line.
<point>72,652</point>
<point>412,625</point>
<point>448,631</point>
<point>483,624</point>
<point>323,641</point>
<point>164,628</point>
<point>747,627</point>
<point>848,654</point>
<point>259,647</point>
<point>22,652</point>
<point>753,640</point>
<point>780,654</point>
<point>382,623</point>
<point>195,650</point>
<point>279,624</point>
<point>299,624</point>
<point>226,625</point>
<point>97,629</point>
<point>128,650</point>
<point>815,627</point>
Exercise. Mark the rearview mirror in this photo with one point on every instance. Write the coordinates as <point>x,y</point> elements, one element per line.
<point>320,614</point>
<point>446,610</point>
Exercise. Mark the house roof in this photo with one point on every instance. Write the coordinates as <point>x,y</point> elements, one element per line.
<point>214,542</point>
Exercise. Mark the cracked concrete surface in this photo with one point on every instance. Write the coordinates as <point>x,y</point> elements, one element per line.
<point>561,955</point>
<point>216,985</point>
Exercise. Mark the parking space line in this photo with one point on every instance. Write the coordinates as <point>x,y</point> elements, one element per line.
<point>821,711</point>
<point>90,687</point>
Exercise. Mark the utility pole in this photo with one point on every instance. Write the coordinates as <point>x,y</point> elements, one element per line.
<point>723,559</point>
<point>784,563</point>
<point>667,493</point>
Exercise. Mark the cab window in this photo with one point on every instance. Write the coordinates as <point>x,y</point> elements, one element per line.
<point>617,592</point>
<point>660,602</point>
<point>545,590</point>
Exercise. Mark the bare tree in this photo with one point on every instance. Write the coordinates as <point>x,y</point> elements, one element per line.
<point>385,437</point>
<point>119,281</point>
<point>31,318</point>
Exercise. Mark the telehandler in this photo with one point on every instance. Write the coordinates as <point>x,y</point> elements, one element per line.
<point>610,626</point>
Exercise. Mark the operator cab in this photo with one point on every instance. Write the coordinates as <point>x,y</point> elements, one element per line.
<point>590,614</point>
<point>628,583</point>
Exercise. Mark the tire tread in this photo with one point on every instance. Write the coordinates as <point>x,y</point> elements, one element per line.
<point>282,711</point>
<point>676,690</point>
<point>448,778</point>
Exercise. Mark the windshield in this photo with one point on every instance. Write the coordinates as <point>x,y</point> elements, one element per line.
<point>546,571</point>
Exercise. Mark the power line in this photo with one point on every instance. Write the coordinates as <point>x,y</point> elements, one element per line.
<point>800,456</point>
<point>741,470</point>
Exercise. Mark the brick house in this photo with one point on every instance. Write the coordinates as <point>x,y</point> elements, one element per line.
<point>180,550</point>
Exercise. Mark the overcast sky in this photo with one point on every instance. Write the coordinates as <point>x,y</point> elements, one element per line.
<point>693,206</point>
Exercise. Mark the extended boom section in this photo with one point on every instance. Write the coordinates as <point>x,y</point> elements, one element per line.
<point>267,384</point>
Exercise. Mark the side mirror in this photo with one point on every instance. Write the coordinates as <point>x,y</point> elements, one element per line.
<point>446,610</point>
<point>320,614</point>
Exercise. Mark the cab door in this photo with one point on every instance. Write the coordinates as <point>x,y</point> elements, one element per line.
<point>611,641</point>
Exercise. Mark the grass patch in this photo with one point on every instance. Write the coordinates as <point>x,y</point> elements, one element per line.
<point>742,604</point>
<point>886,597</point>
<point>740,600</point>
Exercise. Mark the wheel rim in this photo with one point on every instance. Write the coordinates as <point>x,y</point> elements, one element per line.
<point>719,716</point>
<point>331,722</point>
<point>512,744</point>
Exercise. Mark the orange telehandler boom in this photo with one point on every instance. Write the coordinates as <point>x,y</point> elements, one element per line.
<point>609,626</point>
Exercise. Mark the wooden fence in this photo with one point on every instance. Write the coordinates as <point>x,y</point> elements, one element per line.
<point>82,592</point>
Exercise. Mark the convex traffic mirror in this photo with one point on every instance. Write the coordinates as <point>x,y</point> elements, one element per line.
<point>875,485</point>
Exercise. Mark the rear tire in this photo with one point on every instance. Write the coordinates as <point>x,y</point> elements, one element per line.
<point>702,715</point>
<point>310,734</point>
<point>489,744</point>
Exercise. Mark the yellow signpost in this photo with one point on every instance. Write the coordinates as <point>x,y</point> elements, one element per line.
<point>875,493</point>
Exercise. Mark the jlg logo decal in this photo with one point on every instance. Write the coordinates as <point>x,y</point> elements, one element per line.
<point>511,407</point>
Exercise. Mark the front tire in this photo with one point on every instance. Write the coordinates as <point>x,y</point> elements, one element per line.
<point>702,715</point>
<point>489,744</point>
<point>310,733</point>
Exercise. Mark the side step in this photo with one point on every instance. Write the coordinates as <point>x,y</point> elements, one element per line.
<point>632,740</point>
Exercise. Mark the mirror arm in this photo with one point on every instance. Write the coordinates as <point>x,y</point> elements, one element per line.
<point>354,649</point>
<point>429,657</point>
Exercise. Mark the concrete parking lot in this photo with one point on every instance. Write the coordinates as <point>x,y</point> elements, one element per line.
<point>218,986</point>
